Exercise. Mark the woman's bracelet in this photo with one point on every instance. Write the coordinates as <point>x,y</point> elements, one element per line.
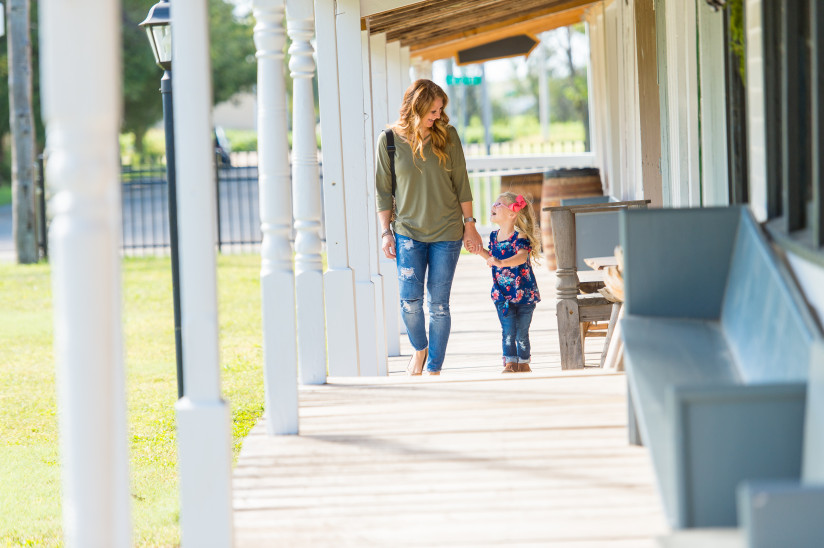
<point>387,232</point>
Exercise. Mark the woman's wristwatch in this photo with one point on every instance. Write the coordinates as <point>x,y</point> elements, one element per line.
<point>387,232</point>
<point>470,220</point>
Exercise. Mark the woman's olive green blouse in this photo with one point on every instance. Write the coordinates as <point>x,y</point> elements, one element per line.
<point>428,195</point>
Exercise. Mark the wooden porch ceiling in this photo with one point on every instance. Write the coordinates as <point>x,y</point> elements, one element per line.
<point>437,29</point>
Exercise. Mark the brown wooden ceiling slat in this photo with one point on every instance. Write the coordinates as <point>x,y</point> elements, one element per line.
<point>450,46</point>
<point>427,23</point>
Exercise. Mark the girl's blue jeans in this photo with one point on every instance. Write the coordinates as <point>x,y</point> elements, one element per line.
<point>515,331</point>
<point>435,262</point>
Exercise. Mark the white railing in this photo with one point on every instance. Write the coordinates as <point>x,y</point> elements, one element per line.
<point>485,176</point>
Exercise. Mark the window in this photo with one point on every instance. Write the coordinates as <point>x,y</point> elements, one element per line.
<point>794,119</point>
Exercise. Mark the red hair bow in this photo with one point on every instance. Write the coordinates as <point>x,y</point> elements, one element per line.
<point>518,204</point>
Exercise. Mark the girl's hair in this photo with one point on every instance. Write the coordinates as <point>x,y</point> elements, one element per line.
<point>417,102</point>
<point>526,225</point>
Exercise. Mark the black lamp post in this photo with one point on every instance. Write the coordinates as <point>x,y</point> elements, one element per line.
<point>159,29</point>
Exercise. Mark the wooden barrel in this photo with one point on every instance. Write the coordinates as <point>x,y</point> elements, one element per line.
<point>530,186</point>
<point>560,184</point>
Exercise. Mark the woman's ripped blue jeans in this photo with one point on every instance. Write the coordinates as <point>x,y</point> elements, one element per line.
<point>515,330</point>
<point>435,262</point>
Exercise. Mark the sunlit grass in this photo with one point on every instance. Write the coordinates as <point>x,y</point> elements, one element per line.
<point>29,458</point>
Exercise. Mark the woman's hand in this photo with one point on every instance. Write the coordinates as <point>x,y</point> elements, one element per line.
<point>472,240</point>
<point>492,261</point>
<point>388,245</point>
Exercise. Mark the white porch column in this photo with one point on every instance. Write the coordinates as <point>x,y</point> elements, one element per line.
<point>277,277</point>
<point>306,205</point>
<point>204,433</point>
<point>406,63</point>
<point>385,78</point>
<point>355,174</point>
<point>374,75</point>
<point>713,107</point>
<point>82,109</point>
<point>396,84</point>
<point>339,280</point>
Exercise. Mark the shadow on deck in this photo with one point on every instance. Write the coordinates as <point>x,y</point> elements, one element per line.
<point>470,458</point>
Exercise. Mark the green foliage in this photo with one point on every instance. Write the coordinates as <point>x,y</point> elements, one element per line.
<point>737,36</point>
<point>242,139</point>
<point>523,127</point>
<point>232,57</point>
<point>5,195</point>
<point>29,459</point>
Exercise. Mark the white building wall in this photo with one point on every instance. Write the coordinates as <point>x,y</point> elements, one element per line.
<point>714,175</point>
<point>756,122</point>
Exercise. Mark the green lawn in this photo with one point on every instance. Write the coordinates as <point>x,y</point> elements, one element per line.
<point>5,195</point>
<point>29,460</point>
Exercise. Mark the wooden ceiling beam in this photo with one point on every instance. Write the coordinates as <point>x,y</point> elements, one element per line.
<point>449,46</point>
<point>434,18</point>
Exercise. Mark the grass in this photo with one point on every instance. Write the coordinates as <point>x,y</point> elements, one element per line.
<point>5,195</point>
<point>30,513</point>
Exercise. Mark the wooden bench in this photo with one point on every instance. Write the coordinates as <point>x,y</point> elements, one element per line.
<point>778,512</point>
<point>789,512</point>
<point>581,231</point>
<point>717,349</point>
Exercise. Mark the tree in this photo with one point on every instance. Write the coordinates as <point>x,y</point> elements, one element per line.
<point>234,68</point>
<point>22,129</point>
<point>568,81</point>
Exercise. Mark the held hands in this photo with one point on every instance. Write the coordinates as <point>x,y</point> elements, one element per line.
<point>388,245</point>
<point>472,240</point>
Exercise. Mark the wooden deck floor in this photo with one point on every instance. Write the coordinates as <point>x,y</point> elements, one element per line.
<point>470,458</point>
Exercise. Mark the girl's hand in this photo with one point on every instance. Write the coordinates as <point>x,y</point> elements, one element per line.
<point>491,261</point>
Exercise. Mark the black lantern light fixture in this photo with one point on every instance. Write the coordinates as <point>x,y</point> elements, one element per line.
<point>158,27</point>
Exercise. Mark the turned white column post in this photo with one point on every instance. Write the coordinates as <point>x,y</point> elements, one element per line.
<point>277,276</point>
<point>339,280</point>
<point>82,110</point>
<point>356,176</point>
<point>204,433</point>
<point>306,199</point>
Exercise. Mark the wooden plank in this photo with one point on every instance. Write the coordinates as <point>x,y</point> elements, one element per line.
<point>600,208</point>
<point>470,458</point>
<point>597,263</point>
<point>449,46</point>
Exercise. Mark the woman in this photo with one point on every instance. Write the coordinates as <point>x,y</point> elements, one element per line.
<point>433,214</point>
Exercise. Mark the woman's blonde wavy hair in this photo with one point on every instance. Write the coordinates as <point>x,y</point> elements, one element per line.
<point>525,223</point>
<point>417,102</point>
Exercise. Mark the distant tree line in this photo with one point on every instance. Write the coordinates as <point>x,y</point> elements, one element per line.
<point>234,69</point>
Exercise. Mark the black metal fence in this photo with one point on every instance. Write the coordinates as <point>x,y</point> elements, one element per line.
<point>146,207</point>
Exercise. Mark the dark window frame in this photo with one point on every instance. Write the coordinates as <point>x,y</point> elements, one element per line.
<point>794,124</point>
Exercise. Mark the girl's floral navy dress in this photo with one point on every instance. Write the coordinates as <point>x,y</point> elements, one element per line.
<point>515,284</point>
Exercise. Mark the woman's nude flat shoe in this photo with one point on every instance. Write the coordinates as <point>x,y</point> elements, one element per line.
<point>414,369</point>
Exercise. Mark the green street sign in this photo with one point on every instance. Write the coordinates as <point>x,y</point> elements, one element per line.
<point>462,80</point>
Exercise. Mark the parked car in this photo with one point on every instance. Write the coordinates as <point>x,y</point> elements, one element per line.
<point>223,148</point>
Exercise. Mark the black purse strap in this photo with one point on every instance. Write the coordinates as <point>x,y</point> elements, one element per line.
<point>390,148</point>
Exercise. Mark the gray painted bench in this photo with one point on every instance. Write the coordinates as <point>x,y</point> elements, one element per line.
<point>717,348</point>
<point>791,513</point>
<point>579,232</point>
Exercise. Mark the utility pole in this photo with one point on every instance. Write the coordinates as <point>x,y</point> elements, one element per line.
<point>22,131</point>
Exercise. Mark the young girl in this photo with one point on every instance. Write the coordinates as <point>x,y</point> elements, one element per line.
<point>514,288</point>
